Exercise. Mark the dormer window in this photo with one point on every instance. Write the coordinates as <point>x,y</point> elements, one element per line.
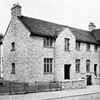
<point>77,45</point>
<point>95,47</point>
<point>48,42</point>
<point>88,46</point>
<point>13,46</point>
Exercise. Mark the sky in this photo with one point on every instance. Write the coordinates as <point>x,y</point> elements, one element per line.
<point>74,13</point>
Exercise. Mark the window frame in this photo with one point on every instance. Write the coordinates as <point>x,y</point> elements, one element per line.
<point>77,65</point>
<point>13,46</point>
<point>87,65</point>
<point>88,46</point>
<point>96,47</point>
<point>13,68</point>
<point>78,44</point>
<point>66,44</point>
<point>48,42</point>
<point>48,65</point>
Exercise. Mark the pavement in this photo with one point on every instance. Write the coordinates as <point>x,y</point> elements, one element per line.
<point>93,89</point>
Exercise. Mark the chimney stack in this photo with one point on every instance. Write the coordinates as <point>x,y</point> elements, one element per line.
<point>91,26</point>
<point>15,10</point>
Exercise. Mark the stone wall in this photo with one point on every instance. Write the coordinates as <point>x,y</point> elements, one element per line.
<point>74,84</point>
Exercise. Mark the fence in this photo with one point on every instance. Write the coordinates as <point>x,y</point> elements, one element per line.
<point>13,87</point>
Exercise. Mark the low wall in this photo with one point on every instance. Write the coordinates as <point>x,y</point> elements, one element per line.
<point>74,84</point>
<point>97,80</point>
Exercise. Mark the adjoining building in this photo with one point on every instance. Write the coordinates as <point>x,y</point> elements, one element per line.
<point>37,50</point>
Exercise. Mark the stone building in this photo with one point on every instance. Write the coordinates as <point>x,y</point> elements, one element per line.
<point>37,50</point>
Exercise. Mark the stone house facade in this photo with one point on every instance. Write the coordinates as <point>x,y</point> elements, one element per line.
<point>37,50</point>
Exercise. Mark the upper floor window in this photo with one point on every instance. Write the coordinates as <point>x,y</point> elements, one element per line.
<point>77,65</point>
<point>77,45</point>
<point>87,65</point>
<point>48,42</point>
<point>88,46</point>
<point>13,46</point>
<point>67,44</point>
<point>48,65</point>
<point>13,68</point>
<point>96,47</point>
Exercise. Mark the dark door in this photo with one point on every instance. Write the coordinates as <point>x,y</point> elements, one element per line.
<point>67,71</point>
<point>89,80</point>
<point>95,69</point>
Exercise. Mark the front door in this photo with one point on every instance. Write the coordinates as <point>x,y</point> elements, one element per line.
<point>67,71</point>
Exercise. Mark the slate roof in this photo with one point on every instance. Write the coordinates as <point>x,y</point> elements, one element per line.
<point>47,29</point>
<point>96,34</point>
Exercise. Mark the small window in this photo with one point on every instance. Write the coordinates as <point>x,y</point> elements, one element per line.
<point>95,47</point>
<point>13,68</point>
<point>77,65</point>
<point>48,65</point>
<point>88,47</point>
<point>87,65</point>
<point>77,45</point>
<point>13,46</point>
<point>48,42</point>
<point>67,44</point>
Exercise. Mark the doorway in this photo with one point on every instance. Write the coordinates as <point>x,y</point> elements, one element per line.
<point>67,71</point>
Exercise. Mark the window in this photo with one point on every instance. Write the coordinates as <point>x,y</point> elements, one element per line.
<point>13,46</point>
<point>13,68</point>
<point>95,47</point>
<point>88,47</point>
<point>87,65</point>
<point>77,45</point>
<point>48,65</point>
<point>67,44</point>
<point>77,65</point>
<point>48,42</point>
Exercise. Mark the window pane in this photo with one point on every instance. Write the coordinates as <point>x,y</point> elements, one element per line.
<point>47,60</point>
<point>44,67</point>
<point>44,41</point>
<point>47,67</point>
<point>50,67</point>
<point>44,60</point>
<point>48,42</point>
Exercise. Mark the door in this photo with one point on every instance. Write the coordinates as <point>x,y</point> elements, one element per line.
<point>67,71</point>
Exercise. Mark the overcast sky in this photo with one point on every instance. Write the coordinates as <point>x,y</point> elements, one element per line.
<point>75,13</point>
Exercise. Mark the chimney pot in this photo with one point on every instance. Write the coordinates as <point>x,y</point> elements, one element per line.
<point>91,26</point>
<point>16,10</point>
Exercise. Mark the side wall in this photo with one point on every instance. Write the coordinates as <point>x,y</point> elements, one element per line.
<point>28,56</point>
<point>69,57</point>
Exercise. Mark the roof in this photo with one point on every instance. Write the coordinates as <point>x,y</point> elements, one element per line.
<point>47,29</point>
<point>39,27</point>
<point>96,34</point>
<point>83,36</point>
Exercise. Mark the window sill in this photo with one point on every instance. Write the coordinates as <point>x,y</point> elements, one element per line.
<point>12,73</point>
<point>78,49</point>
<point>96,51</point>
<point>13,50</point>
<point>88,50</point>
<point>77,71</point>
<point>47,47</point>
<point>48,73</point>
<point>67,50</point>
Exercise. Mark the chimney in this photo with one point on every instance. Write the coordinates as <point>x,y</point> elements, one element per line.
<point>15,10</point>
<point>91,26</point>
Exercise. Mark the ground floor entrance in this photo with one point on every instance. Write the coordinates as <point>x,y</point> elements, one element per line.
<point>67,71</point>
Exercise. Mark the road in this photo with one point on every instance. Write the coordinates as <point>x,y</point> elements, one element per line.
<point>94,96</point>
<point>83,97</point>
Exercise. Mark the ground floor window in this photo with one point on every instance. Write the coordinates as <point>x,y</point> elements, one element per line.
<point>13,68</point>
<point>48,65</point>
<point>77,65</point>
